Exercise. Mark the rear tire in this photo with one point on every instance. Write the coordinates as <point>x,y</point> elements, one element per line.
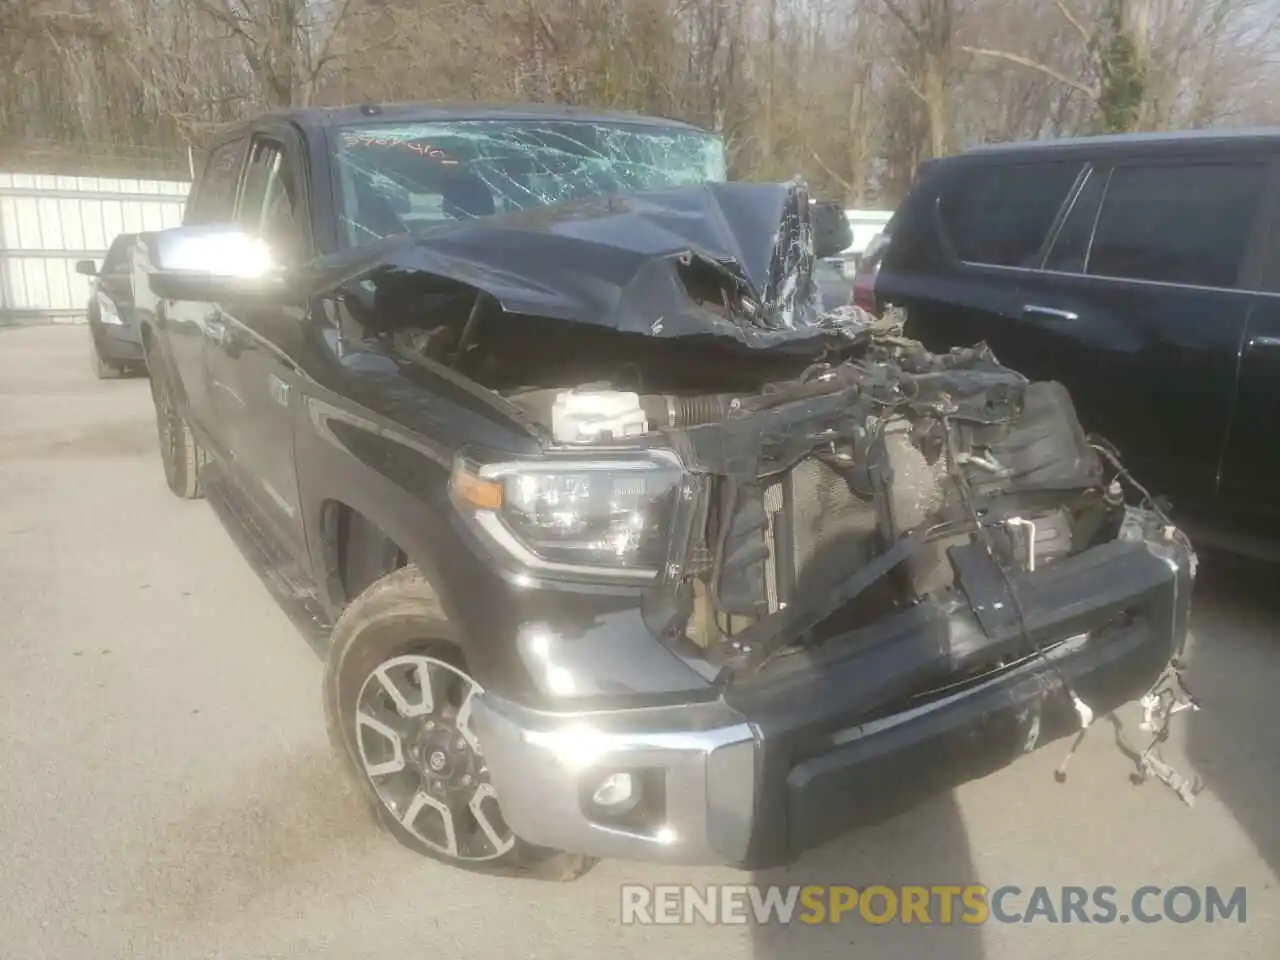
<point>389,646</point>
<point>180,452</point>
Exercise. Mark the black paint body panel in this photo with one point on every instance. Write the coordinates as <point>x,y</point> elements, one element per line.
<point>1183,379</point>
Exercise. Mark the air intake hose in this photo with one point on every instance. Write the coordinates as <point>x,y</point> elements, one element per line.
<point>665,410</point>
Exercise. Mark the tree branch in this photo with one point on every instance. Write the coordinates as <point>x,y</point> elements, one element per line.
<point>322,55</point>
<point>917,34</point>
<point>1074,20</point>
<point>835,176</point>
<point>1036,65</point>
<point>226,16</point>
<point>909,80</point>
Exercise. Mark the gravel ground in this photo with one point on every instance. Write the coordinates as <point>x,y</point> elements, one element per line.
<point>166,788</point>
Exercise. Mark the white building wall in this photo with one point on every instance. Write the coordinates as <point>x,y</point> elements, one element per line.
<point>47,223</point>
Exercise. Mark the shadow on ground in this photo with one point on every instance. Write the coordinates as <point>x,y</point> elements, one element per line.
<point>1234,741</point>
<point>1233,744</point>
<point>926,845</point>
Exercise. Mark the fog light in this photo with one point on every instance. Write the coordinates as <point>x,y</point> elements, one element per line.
<point>616,793</point>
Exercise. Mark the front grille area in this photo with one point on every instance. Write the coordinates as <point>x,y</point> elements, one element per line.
<point>815,524</point>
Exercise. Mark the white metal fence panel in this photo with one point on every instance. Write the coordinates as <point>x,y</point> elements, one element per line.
<point>47,223</point>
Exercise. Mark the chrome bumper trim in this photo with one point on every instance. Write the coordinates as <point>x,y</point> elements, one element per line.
<point>541,764</point>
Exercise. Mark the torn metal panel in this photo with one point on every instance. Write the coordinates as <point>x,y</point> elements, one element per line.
<point>837,404</point>
<point>721,260</point>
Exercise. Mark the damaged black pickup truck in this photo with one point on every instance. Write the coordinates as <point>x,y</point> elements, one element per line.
<point>616,542</point>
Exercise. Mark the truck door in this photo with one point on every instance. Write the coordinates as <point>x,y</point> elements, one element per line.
<point>1139,310</point>
<point>191,328</point>
<point>956,263</point>
<point>253,359</point>
<point>1250,487</point>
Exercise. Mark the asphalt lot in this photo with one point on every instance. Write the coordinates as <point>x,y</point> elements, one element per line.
<point>166,788</point>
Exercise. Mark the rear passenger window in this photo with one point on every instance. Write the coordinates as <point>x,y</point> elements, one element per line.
<point>1177,224</point>
<point>1071,245</point>
<point>1002,214</point>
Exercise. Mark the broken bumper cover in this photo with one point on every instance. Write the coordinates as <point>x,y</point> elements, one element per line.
<point>790,760</point>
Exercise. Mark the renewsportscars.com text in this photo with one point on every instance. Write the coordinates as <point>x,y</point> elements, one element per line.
<point>939,905</point>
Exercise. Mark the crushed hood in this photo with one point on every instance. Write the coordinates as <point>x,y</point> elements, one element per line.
<point>728,260</point>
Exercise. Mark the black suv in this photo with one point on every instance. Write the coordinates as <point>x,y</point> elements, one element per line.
<point>1143,272</point>
<point>616,542</point>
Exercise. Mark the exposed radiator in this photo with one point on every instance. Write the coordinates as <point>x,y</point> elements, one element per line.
<point>815,523</point>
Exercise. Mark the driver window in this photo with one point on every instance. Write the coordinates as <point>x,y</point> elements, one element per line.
<point>268,204</point>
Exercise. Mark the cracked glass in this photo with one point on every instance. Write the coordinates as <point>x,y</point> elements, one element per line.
<point>406,178</point>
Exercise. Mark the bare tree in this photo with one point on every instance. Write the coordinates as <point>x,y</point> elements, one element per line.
<point>287,44</point>
<point>1145,62</point>
<point>851,94</point>
<point>926,59</point>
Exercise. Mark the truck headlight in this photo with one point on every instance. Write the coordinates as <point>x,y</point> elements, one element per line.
<point>107,312</point>
<point>602,516</point>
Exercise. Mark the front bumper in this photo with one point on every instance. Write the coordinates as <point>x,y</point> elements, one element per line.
<point>804,751</point>
<point>118,342</point>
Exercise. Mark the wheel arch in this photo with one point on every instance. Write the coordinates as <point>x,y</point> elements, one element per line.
<point>356,552</point>
<point>345,474</point>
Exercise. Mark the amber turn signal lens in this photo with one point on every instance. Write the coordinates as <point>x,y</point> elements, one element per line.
<point>475,490</point>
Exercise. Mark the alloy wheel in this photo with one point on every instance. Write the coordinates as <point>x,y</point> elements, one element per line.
<point>413,730</point>
<point>167,427</point>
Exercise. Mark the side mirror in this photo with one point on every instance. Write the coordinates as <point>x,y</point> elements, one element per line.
<point>213,263</point>
<point>86,268</point>
<point>831,230</point>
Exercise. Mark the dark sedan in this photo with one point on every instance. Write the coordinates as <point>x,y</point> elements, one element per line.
<point>117,347</point>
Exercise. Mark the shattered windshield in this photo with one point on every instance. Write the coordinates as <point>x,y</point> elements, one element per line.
<point>398,178</point>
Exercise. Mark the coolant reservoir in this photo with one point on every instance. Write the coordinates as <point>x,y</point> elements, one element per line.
<point>590,415</point>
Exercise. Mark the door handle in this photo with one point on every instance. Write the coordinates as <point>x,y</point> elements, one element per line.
<point>1049,313</point>
<point>1264,343</point>
<point>215,330</point>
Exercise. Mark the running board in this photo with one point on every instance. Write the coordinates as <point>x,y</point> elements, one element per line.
<point>287,582</point>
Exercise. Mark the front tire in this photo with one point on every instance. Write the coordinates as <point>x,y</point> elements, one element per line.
<point>397,699</point>
<point>180,452</point>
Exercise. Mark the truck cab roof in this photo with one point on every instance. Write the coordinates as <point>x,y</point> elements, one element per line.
<point>307,118</point>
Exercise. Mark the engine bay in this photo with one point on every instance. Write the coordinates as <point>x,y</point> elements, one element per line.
<point>819,479</point>
<point>806,476</point>
<point>824,447</point>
